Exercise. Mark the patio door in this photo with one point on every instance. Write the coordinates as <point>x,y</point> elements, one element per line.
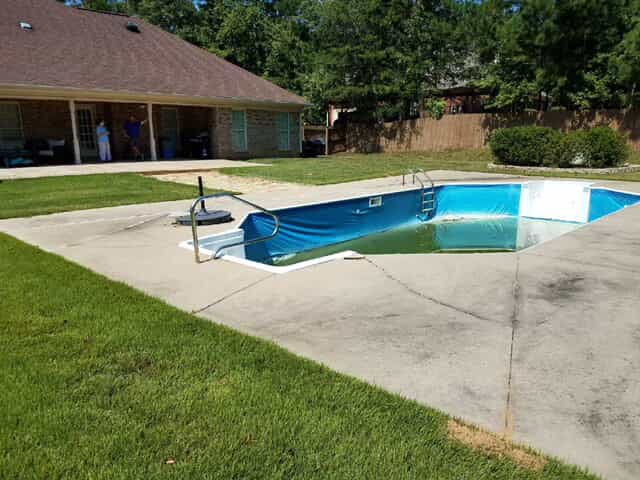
<point>86,116</point>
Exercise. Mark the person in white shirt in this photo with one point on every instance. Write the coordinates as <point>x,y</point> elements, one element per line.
<point>104,147</point>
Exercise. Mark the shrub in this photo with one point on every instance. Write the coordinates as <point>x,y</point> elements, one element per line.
<point>600,147</point>
<point>570,151</point>
<point>435,108</point>
<point>526,146</point>
<point>605,148</point>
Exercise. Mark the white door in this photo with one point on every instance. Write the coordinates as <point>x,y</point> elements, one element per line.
<point>86,115</point>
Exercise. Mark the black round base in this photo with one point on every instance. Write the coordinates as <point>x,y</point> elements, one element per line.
<point>204,217</point>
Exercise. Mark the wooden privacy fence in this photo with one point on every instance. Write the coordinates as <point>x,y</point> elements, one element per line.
<point>471,130</point>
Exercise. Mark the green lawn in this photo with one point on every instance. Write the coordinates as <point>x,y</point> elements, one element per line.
<point>101,381</point>
<point>38,196</point>
<point>351,167</point>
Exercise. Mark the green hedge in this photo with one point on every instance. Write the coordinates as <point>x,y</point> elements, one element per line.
<point>605,148</point>
<point>570,151</point>
<point>599,147</point>
<point>526,146</point>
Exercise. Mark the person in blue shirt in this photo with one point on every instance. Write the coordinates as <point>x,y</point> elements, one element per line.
<point>104,148</point>
<point>132,129</point>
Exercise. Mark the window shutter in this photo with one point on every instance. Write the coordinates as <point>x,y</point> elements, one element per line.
<point>239,131</point>
<point>284,143</point>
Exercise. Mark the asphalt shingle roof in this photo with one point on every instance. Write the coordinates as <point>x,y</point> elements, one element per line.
<point>88,50</point>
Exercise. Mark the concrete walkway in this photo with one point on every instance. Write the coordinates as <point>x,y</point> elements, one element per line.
<point>163,166</point>
<point>541,345</point>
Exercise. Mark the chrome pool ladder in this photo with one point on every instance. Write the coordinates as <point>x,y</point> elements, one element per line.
<point>194,226</point>
<point>428,199</point>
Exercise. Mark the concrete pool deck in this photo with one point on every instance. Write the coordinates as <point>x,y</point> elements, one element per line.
<point>541,345</point>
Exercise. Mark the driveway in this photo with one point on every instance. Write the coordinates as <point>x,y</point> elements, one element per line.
<point>541,345</point>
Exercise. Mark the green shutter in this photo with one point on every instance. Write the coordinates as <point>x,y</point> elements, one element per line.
<point>283,132</point>
<point>294,128</point>
<point>238,131</point>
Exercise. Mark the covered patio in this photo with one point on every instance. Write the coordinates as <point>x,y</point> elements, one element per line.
<point>55,132</point>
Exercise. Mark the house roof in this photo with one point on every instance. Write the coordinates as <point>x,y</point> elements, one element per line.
<point>71,48</point>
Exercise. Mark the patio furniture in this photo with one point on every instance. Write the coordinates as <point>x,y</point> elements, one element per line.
<point>49,151</point>
<point>198,147</point>
<point>13,154</point>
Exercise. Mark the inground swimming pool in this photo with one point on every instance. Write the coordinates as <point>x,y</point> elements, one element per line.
<point>467,218</point>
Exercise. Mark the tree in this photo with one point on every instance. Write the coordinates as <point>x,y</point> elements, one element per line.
<point>176,16</point>
<point>436,49</point>
<point>243,38</point>
<point>288,55</point>
<point>102,5</point>
<point>624,62</point>
<point>550,53</point>
<point>382,57</point>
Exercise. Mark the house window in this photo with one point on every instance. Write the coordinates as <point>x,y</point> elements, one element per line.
<point>239,130</point>
<point>284,132</point>
<point>11,124</point>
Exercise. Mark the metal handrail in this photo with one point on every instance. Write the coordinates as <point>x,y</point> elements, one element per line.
<point>194,226</point>
<point>415,176</point>
<point>427,176</point>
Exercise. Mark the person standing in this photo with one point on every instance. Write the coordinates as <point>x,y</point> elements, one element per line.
<point>132,129</point>
<point>104,147</point>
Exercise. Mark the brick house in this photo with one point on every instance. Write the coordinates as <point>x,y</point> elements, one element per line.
<point>63,68</point>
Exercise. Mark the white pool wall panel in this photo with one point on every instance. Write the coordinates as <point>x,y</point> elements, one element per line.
<point>553,200</point>
<point>214,242</point>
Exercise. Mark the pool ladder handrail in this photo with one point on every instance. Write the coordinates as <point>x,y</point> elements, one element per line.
<point>428,194</point>
<point>194,226</point>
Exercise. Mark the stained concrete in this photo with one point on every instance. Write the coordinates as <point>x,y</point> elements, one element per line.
<point>542,345</point>
<point>575,374</point>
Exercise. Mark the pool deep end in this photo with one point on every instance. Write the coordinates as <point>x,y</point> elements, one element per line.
<point>477,217</point>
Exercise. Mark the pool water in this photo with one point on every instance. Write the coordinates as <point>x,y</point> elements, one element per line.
<point>440,236</point>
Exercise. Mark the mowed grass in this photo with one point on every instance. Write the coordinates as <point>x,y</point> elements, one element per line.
<point>39,196</point>
<point>101,381</point>
<point>351,167</point>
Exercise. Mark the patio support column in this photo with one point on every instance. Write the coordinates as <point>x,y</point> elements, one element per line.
<point>74,129</point>
<point>152,133</point>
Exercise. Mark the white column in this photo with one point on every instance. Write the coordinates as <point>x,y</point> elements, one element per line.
<point>152,133</point>
<point>74,128</point>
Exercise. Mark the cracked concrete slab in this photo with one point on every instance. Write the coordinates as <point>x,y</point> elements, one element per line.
<point>446,330</point>
<point>353,318</point>
<point>459,281</point>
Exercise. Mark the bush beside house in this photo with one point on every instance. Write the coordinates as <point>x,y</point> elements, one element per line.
<point>600,147</point>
